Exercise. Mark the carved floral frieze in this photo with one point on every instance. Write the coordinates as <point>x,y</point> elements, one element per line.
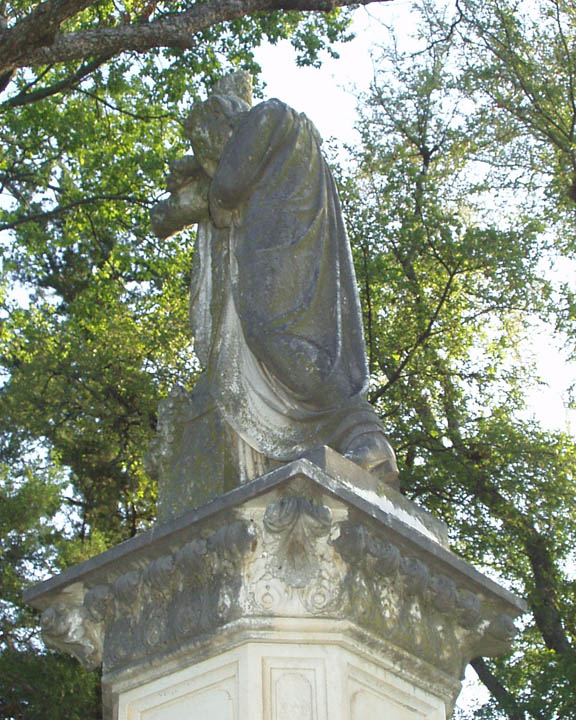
<point>288,557</point>
<point>154,605</point>
<point>401,597</point>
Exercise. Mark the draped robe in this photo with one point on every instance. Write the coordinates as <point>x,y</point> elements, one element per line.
<point>274,302</point>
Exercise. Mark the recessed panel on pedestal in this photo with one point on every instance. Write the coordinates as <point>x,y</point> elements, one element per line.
<point>185,695</point>
<point>372,697</point>
<point>294,688</point>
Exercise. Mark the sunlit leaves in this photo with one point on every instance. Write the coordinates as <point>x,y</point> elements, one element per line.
<point>452,264</point>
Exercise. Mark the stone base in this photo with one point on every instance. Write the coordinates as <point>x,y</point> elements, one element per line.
<point>284,676</point>
<point>302,594</point>
<point>195,455</point>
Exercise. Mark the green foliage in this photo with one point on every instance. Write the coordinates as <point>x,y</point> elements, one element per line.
<point>27,505</point>
<point>34,686</point>
<point>32,681</point>
<point>521,60</point>
<point>93,309</point>
<point>452,257</point>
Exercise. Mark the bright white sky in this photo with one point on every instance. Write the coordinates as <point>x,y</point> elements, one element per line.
<point>328,94</point>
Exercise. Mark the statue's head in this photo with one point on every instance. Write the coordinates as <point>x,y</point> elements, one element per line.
<point>210,123</point>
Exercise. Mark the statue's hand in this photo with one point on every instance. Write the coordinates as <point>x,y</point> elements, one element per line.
<point>182,171</point>
<point>187,205</point>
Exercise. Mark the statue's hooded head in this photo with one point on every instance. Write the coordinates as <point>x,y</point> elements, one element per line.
<point>210,123</point>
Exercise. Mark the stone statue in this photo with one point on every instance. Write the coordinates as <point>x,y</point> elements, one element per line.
<point>274,304</point>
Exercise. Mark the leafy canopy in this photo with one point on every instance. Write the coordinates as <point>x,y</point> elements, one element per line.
<point>456,212</point>
<point>458,200</point>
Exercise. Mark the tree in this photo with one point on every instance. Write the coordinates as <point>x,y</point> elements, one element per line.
<point>31,496</point>
<point>521,65</point>
<point>59,31</point>
<point>453,285</point>
<point>93,308</point>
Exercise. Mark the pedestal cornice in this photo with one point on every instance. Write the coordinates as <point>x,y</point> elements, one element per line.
<point>304,542</point>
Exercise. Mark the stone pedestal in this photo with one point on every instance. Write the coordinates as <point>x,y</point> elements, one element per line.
<point>312,671</point>
<point>298,595</point>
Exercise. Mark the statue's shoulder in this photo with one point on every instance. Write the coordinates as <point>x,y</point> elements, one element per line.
<point>275,112</point>
<point>271,107</point>
<point>276,121</point>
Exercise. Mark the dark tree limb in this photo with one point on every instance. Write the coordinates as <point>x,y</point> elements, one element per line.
<point>38,29</point>
<point>61,209</point>
<point>421,340</point>
<point>25,98</point>
<point>505,699</point>
<point>5,79</point>
<point>122,111</point>
<point>35,40</point>
<point>543,598</point>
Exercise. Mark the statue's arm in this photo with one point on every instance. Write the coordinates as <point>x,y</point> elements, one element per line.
<point>253,146</point>
<point>188,185</point>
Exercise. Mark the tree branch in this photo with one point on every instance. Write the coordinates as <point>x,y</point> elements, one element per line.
<point>48,214</point>
<point>36,30</point>
<point>505,700</point>
<point>29,43</point>
<point>543,598</point>
<point>421,339</point>
<point>121,110</point>
<point>37,79</point>
<point>25,98</point>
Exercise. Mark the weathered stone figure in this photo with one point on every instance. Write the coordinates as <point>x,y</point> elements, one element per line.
<point>274,304</point>
<point>296,595</point>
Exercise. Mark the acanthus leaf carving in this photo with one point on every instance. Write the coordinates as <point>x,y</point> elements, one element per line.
<point>295,571</point>
<point>443,593</point>
<point>157,577</point>
<point>97,602</point>
<point>415,575</point>
<point>121,641</point>
<point>192,562</point>
<point>297,523</point>
<point>154,627</point>
<point>234,539</point>
<point>178,594</point>
<point>393,591</point>
<point>350,542</point>
<point>469,608</point>
<point>126,588</point>
<point>498,635</point>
